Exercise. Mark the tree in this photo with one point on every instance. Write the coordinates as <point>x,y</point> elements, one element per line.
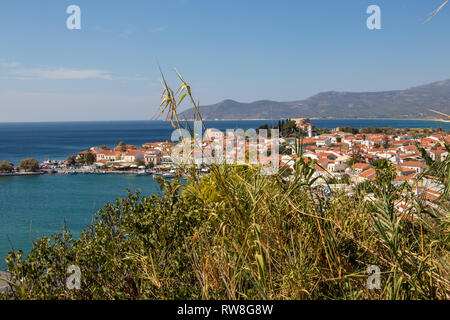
<point>289,128</point>
<point>123,146</point>
<point>385,174</point>
<point>6,166</point>
<point>386,143</point>
<point>356,155</point>
<point>71,160</point>
<point>318,131</point>
<point>29,165</point>
<point>349,130</point>
<point>89,158</point>
<point>104,147</point>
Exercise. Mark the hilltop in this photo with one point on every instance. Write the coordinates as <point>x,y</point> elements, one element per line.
<point>412,103</point>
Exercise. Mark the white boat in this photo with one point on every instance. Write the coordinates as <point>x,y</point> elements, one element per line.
<point>168,175</point>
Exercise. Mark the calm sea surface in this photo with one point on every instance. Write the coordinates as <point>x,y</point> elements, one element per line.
<point>34,206</point>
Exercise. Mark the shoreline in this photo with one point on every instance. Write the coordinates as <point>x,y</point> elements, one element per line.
<point>21,174</point>
<point>83,173</point>
<point>275,119</point>
<point>69,174</point>
<point>378,119</point>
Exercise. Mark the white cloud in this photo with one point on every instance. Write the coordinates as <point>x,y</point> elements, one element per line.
<point>158,29</point>
<point>7,64</point>
<point>60,74</point>
<point>127,32</point>
<point>67,74</point>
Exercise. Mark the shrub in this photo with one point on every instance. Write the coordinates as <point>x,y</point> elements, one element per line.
<point>6,166</point>
<point>29,165</point>
<point>235,234</point>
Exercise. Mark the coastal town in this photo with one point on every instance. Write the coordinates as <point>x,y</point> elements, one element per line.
<point>346,157</point>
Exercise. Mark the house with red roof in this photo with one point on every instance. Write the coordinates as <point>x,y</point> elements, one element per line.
<point>368,174</point>
<point>417,166</point>
<point>360,167</point>
<point>132,156</point>
<point>108,155</point>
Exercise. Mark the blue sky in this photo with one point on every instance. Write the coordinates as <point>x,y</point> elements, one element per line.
<point>242,50</point>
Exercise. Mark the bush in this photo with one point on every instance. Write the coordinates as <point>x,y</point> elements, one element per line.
<point>29,165</point>
<point>71,160</point>
<point>235,234</point>
<point>89,158</point>
<point>6,166</point>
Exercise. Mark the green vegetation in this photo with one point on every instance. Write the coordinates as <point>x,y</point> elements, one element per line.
<point>123,146</point>
<point>318,131</point>
<point>88,158</point>
<point>238,234</point>
<point>29,165</point>
<point>413,132</point>
<point>285,148</point>
<point>6,166</point>
<point>288,128</point>
<point>382,164</point>
<point>349,130</point>
<point>357,156</point>
<point>71,160</point>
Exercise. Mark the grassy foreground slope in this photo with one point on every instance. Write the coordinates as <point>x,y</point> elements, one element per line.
<point>236,234</point>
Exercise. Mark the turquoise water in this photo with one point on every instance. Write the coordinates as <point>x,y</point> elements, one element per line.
<point>34,206</point>
<point>38,205</point>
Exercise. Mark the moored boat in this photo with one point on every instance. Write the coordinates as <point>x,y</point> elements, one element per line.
<point>143,173</point>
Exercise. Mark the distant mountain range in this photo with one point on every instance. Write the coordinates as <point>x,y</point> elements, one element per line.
<point>413,103</point>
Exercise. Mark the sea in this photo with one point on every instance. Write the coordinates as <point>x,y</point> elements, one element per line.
<point>36,206</point>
